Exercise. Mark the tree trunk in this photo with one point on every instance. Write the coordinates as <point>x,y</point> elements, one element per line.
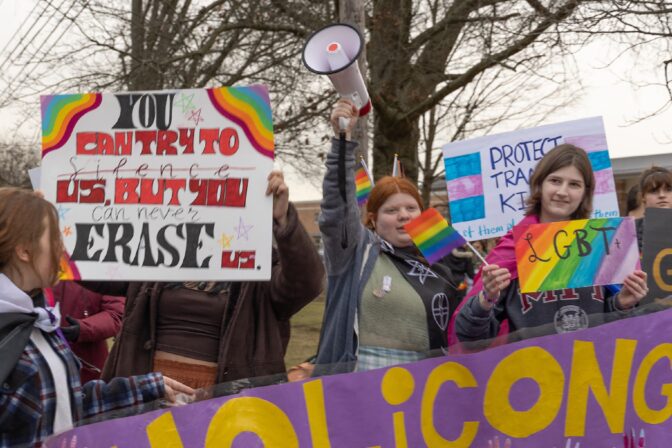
<point>390,65</point>
<point>391,137</point>
<point>144,73</point>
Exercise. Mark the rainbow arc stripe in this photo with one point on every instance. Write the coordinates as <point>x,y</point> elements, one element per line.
<point>248,107</point>
<point>60,114</point>
<point>68,269</point>
<point>431,233</point>
<point>363,186</point>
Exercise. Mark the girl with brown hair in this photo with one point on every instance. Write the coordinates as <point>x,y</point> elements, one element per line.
<point>561,189</point>
<point>385,304</point>
<point>655,187</point>
<point>40,389</point>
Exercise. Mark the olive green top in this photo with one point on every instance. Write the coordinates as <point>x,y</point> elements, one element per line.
<point>397,319</point>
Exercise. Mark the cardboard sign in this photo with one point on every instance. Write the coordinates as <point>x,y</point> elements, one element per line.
<point>590,387</point>
<point>657,253</point>
<point>574,254</point>
<point>161,185</point>
<point>488,177</point>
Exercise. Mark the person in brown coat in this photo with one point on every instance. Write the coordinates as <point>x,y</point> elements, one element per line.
<point>208,333</point>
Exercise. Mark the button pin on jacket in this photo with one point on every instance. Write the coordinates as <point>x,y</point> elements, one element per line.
<point>387,283</point>
<point>385,287</point>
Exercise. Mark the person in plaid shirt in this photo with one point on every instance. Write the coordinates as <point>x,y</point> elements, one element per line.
<point>40,389</point>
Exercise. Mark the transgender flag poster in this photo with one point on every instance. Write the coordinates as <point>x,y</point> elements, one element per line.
<point>488,177</point>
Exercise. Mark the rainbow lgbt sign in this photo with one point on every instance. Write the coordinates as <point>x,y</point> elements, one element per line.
<point>573,254</point>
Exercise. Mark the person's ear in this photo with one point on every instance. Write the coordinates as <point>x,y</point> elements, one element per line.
<point>22,253</point>
<point>372,219</point>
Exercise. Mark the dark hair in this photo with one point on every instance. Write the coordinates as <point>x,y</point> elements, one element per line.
<point>557,158</point>
<point>386,187</point>
<point>22,214</point>
<point>633,200</point>
<point>653,179</point>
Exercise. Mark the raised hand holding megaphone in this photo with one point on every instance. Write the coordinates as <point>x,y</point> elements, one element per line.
<point>343,117</point>
<point>333,51</point>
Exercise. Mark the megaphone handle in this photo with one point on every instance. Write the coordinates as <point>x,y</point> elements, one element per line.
<point>341,184</point>
<point>343,123</point>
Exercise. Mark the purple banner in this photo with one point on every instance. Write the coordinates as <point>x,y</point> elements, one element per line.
<point>591,386</point>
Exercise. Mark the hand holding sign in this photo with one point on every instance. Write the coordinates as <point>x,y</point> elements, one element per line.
<point>173,387</point>
<point>634,290</point>
<point>278,188</point>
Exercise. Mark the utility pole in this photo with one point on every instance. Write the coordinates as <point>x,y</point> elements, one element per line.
<point>352,12</point>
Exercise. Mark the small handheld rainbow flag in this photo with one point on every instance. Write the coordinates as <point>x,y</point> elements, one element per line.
<point>363,183</point>
<point>431,233</point>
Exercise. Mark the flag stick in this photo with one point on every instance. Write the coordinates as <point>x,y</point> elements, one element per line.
<point>478,254</point>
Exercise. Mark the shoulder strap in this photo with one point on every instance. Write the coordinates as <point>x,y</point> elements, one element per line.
<point>15,331</point>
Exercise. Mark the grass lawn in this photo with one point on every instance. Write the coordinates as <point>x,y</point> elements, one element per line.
<point>306,326</point>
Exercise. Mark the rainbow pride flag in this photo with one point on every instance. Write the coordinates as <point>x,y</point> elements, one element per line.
<point>432,234</point>
<point>363,184</point>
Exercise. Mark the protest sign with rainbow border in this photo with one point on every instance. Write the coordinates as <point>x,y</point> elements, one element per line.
<point>165,185</point>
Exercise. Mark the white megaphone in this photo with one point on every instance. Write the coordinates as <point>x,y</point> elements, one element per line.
<point>333,51</point>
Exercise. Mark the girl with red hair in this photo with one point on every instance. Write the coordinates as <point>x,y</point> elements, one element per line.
<point>385,304</point>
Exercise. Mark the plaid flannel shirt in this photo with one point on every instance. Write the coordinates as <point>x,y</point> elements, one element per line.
<point>28,397</point>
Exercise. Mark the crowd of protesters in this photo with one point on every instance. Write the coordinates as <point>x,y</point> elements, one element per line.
<point>385,304</point>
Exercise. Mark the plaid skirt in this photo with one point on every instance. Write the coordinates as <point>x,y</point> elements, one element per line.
<point>370,358</point>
